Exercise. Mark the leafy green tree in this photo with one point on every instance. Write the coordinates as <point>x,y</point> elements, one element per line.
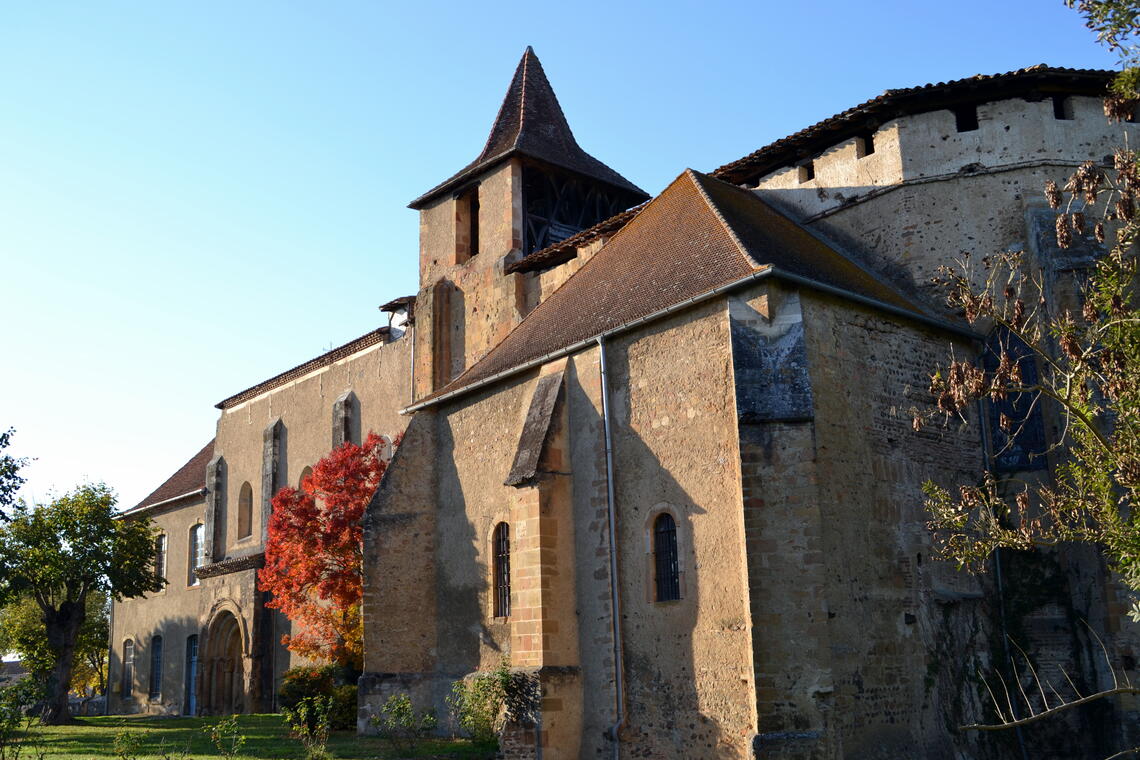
<point>10,480</point>
<point>22,631</point>
<point>62,553</point>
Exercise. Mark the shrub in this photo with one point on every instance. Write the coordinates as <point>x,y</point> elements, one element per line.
<point>344,710</point>
<point>399,724</point>
<point>309,721</point>
<point>127,745</point>
<point>306,682</point>
<point>226,737</point>
<point>483,702</point>
<point>15,701</point>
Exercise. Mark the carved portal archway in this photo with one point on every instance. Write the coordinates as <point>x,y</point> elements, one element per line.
<point>223,667</point>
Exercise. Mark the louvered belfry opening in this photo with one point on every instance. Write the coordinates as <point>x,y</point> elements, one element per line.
<point>502,551</point>
<point>559,204</point>
<point>667,572</point>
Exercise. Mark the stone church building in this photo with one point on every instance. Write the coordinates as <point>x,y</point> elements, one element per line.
<point>658,451</point>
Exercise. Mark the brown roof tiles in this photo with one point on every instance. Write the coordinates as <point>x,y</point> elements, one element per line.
<point>324,360</point>
<point>189,478</point>
<point>1033,82</point>
<point>531,123</point>
<point>698,235</point>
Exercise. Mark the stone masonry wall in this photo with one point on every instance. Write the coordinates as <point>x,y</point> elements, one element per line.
<point>898,622</point>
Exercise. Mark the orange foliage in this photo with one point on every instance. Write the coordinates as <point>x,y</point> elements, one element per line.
<point>314,554</point>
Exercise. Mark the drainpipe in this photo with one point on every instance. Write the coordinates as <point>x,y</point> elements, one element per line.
<point>614,732</point>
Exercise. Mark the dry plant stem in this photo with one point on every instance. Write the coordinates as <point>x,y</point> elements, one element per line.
<point>1051,711</point>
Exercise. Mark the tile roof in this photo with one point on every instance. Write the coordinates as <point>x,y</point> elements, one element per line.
<point>324,360</point>
<point>531,123</point>
<point>398,303</point>
<point>1033,82</point>
<point>697,235</point>
<point>560,253</point>
<point>190,477</point>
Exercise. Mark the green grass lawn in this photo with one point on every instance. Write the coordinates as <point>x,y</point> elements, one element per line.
<point>266,739</point>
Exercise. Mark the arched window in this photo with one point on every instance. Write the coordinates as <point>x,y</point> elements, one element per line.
<point>190,674</point>
<point>245,510</point>
<point>160,557</point>
<point>501,548</point>
<point>128,669</point>
<point>304,474</point>
<point>667,571</point>
<point>196,554</point>
<point>155,690</point>
<point>384,449</point>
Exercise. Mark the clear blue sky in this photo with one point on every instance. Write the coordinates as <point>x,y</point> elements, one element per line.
<point>197,196</point>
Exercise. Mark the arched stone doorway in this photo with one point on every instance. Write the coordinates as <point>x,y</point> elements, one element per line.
<point>223,668</point>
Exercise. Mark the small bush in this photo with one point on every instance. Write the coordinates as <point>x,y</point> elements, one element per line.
<point>306,682</point>
<point>226,737</point>
<point>16,701</point>
<point>344,710</point>
<point>309,721</point>
<point>482,703</point>
<point>127,745</point>
<point>399,724</point>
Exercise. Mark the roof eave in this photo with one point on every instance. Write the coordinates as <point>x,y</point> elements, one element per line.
<point>761,274</point>
<point>894,104</point>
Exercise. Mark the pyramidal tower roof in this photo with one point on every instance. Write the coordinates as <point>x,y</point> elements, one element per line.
<point>531,123</point>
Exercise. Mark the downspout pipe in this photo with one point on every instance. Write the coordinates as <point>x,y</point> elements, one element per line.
<point>614,732</point>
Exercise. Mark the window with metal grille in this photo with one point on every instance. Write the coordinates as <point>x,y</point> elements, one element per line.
<point>501,545</point>
<point>196,554</point>
<point>667,571</point>
<point>160,557</point>
<point>128,669</point>
<point>245,510</point>
<point>155,690</point>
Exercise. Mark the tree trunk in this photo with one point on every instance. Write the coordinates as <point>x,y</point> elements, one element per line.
<point>62,632</point>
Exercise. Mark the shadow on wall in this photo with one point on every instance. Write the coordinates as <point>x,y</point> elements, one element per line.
<point>135,692</point>
<point>666,665</point>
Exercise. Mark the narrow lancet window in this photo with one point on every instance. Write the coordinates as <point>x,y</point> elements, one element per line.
<point>128,679</point>
<point>501,545</point>
<point>160,557</point>
<point>196,554</point>
<point>667,572</point>
<point>245,511</point>
<point>155,690</point>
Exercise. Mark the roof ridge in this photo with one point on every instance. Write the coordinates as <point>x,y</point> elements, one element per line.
<point>333,355</point>
<point>522,96</point>
<point>696,178</point>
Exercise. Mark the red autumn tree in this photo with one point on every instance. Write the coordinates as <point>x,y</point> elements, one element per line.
<point>314,553</point>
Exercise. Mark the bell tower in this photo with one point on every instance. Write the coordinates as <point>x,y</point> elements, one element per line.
<point>530,187</point>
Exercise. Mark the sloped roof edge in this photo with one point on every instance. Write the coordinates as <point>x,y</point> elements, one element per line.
<point>762,274</point>
<point>530,122</point>
<point>367,340</point>
<point>187,481</point>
